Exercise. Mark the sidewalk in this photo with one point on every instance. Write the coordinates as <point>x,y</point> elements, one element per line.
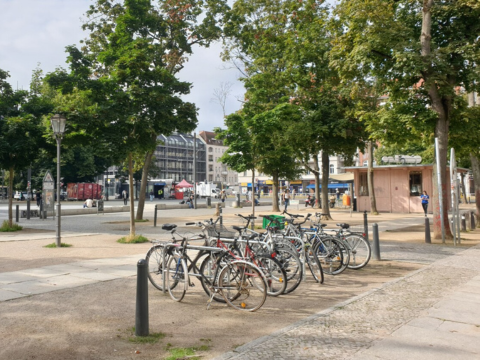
<point>432,313</point>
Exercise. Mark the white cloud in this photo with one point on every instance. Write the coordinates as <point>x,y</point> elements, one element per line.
<point>37,31</point>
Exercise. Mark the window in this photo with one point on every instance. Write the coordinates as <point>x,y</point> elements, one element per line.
<point>415,183</point>
<point>363,184</point>
<point>332,169</point>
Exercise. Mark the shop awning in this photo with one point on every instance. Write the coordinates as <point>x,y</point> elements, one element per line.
<point>330,186</point>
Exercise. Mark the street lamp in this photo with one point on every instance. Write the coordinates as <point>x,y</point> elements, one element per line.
<point>58,126</point>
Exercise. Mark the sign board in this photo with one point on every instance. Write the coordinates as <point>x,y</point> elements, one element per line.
<point>48,196</point>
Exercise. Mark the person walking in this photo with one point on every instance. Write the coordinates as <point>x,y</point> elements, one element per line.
<point>223,195</point>
<point>425,199</point>
<point>124,197</point>
<point>286,198</point>
<point>293,193</point>
<point>151,195</point>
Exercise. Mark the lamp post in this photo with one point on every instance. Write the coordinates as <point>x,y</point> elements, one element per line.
<point>58,126</point>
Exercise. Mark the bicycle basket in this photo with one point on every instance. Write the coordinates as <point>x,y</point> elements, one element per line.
<point>219,230</point>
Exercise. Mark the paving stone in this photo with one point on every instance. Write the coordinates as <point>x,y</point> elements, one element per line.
<point>9,295</point>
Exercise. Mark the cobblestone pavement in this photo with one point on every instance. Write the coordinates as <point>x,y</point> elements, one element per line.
<point>347,329</point>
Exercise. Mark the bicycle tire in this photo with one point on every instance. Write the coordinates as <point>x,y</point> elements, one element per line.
<point>360,251</point>
<point>291,263</point>
<point>243,286</point>
<point>154,262</point>
<point>274,273</point>
<point>208,273</point>
<point>330,254</point>
<point>315,266</point>
<point>177,277</point>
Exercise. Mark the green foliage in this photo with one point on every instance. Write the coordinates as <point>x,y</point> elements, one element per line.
<point>152,338</point>
<point>138,239</point>
<point>54,245</point>
<point>7,228</point>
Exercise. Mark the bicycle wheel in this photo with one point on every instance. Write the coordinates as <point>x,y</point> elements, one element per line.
<point>330,254</point>
<point>274,273</point>
<point>314,265</point>
<point>177,277</point>
<point>243,286</point>
<point>154,261</point>
<point>208,272</point>
<point>291,263</point>
<point>360,251</point>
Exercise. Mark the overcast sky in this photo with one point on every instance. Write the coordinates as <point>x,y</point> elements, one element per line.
<point>37,31</point>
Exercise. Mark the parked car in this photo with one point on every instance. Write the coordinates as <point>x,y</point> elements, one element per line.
<point>20,195</point>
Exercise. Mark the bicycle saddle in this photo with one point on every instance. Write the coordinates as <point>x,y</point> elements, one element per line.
<point>168,227</point>
<point>238,228</point>
<point>343,225</point>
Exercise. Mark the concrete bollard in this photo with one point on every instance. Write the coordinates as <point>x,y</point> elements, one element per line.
<point>472,220</point>
<point>141,309</point>
<point>155,216</point>
<point>217,209</point>
<point>428,238</point>
<point>209,202</point>
<point>365,224</point>
<point>376,243</point>
<point>464,223</point>
<point>17,213</point>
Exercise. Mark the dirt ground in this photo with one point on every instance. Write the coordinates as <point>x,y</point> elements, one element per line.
<point>95,321</point>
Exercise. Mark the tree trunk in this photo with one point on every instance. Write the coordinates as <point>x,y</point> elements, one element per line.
<point>476,180</point>
<point>143,186</point>
<point>253,194</point>
<point>325,198</point>
<point>462,185</point>
<point>275,207</point>
<point>132,201</point>
<point>10,197</point>
<point>371,185</point>
<point>441,105</point>
<point>316,173</point>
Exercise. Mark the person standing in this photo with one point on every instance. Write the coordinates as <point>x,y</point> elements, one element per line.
<point>425,199</point>
<point>286,198</point>
<point>293,193</point>
<point>124,197</point>
<point>223,196</point>
<point>151,195</point>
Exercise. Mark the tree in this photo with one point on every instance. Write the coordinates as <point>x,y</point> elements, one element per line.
<point>427,47</point>
<point>20,134</point>
<point>122,91</point>
<point>172,27</point>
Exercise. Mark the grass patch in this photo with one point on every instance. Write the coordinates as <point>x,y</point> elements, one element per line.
<point>141,220</point>
<point>152,338</point>
<point>6,228</point>
<point>133,240</point>
<point>54,245</point>
<point>182,353</point>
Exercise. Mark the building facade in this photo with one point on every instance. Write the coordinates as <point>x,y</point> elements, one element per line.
<point>216,171</point>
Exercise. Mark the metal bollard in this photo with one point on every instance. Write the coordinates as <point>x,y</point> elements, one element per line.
<point>155,217</point>
<point>464,223</point>
<point>428,238</point>
<point>472,220</point>
<point>365,224</point>
<point>141,309</point>
<point>221,217</point>
<point>17,212</point>
<point>376,243</point>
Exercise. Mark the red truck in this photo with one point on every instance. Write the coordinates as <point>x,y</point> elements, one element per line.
<point>83,191</point>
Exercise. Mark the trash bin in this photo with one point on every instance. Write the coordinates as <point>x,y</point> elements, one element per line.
<point>354,204</point>
<point>100,205</point>
<point>281,220</point>
<point>346,200</point>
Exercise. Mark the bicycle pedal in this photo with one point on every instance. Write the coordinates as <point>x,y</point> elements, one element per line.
<point>191,285</point>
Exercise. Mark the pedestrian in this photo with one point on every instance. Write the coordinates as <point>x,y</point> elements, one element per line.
<point>337,193</point>
<point>88,203</point>
<point>332,201</point>
<point>151,195</point>
<point>38,198</point>
<point>286,198</point>
<point>293,193</point>
<point>190,201</point>
<point>124,197</point>
<point>223,196</point>
<point>425,199</point>
<point>160,193</point>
